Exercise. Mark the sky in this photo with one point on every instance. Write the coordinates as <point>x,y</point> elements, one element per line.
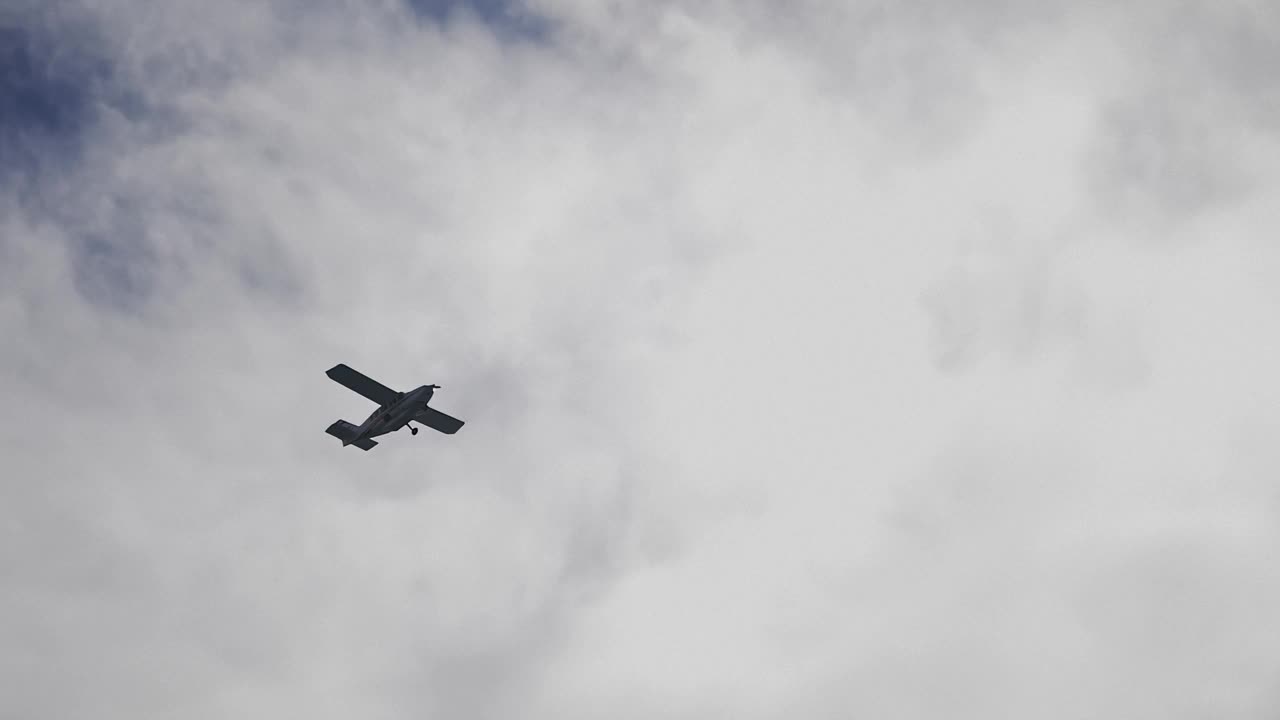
<point>819,359</point>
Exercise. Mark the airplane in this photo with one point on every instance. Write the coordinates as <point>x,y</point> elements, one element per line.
<point>395,410</point>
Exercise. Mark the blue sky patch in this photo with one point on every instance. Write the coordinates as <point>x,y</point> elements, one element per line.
<point>508,19</point>
<point>50,87</point>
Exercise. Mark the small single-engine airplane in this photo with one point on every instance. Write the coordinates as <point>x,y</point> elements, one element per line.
<point>395,410</point>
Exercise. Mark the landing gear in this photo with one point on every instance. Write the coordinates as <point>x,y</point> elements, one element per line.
<point>413,431</point>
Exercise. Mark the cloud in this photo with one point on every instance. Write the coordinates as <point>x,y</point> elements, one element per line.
<point>1183,129</point>
<point>813,362</point>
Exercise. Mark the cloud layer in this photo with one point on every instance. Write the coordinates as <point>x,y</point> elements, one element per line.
<point>840,360</point>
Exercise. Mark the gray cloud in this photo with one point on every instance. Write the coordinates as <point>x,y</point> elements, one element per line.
<point>1182,131</point>
<point>810,366</point>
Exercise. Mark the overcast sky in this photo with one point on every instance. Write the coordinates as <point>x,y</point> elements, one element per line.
<point>819,359</point>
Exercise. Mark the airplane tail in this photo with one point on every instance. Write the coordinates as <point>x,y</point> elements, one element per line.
<point>346,432</point>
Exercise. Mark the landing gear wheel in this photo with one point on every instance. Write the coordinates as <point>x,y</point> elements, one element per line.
<point>413,431</point>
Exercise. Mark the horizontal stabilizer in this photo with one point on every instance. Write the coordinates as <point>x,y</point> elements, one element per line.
<point>437,420</point>
<point>344,431</point>
<point>362,384</point>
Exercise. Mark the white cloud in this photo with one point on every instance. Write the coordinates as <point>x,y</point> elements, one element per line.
<point>809,368</point>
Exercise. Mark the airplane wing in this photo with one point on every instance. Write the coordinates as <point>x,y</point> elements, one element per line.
<point>433,418</point>
<point>362,384</point>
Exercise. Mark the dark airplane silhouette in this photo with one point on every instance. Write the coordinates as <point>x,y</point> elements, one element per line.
<point>395,410</point>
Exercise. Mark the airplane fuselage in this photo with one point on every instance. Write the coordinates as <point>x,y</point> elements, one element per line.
<point>394,415</point>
